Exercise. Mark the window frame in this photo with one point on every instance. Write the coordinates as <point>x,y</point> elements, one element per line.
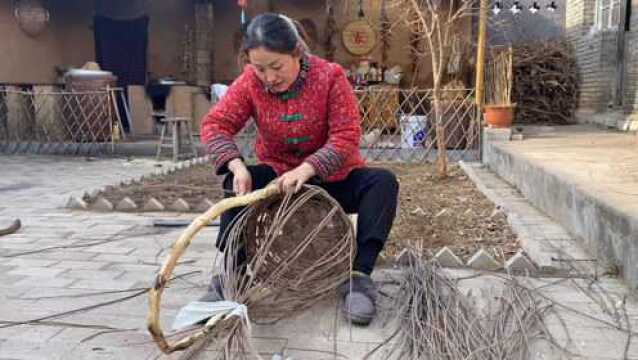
<point>604,12</point>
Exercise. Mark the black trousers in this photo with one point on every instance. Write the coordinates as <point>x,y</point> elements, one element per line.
<point>370,192</point>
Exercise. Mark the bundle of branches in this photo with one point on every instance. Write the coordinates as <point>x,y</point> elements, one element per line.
<point>283,254</point>
<point>437,321</point>
<point>546,82</point>
<point>499,76</point>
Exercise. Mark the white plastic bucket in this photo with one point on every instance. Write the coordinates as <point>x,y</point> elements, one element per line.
<point>413,131</point>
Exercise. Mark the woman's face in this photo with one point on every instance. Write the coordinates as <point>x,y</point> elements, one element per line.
<point>277,71</point>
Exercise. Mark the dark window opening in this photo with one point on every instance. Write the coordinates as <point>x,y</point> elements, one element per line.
<point>627,15</point>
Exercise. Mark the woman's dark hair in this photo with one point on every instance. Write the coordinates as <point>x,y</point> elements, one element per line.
<point>274,32</point>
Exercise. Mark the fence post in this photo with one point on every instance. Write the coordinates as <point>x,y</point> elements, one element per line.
<point>480,55</point>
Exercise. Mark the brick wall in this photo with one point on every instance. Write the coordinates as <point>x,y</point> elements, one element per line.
<point>595,52</point>
<point>631,64</point>
<point>596,57</point>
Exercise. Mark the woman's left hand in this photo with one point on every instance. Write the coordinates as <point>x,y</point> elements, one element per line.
<point>291,181</point>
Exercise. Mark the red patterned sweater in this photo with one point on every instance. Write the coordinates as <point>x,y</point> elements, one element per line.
<point>316,121</point>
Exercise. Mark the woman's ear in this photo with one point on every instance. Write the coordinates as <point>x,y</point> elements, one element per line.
<point>296,53</point>
<point>299,50</point>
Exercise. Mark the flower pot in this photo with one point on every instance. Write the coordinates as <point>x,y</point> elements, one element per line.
<point>499,116</point>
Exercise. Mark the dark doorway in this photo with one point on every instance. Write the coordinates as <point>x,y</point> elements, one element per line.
<point>120,47</point>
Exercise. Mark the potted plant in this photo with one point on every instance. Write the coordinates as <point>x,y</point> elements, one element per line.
<point>499,109</point>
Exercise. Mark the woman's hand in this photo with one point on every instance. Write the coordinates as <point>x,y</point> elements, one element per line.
<point>242,181</point>
<point>291,181</point>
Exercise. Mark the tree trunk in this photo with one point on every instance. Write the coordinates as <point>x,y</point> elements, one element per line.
<point>441,146</point>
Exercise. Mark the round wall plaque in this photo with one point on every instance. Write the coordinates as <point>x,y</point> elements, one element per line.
<point>32,16</point>
<point>359,38</point>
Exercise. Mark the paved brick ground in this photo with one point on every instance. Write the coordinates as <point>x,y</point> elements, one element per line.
<point>64,260</point>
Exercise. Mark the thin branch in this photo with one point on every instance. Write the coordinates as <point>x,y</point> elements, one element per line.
<point>89,307</point>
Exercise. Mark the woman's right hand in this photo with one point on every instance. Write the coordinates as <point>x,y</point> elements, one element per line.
<point>242,181</point>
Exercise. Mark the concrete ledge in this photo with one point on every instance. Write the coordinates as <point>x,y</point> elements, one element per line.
<point>553,250</point>
<point>606,222</point>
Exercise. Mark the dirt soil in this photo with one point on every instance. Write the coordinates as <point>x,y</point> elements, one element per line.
<point>451,212</point>
<point>193,184</point>
<point>433,213</point>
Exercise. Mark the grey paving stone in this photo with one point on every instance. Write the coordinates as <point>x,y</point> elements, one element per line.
<point>92,274</point>
<point>81,265</point>
<point>20,239</point>
<point>111,248</point>
<point>204,205</point>
<point>18,349</point>
<point>447,258</point>
<point>127,259</point>
<point>76,203</point>
<point>143,279</point>
<point>482,260</point>
<point>8,280</point>
<point>520,264</point>
<point>180,205</point>
<point>142,268</point>
<point>20,247</point>
<point>36,282</point>
<point>21,310</point>
<point>28,332</point>
<point>42,272</point>
<point>95,192</point>
<point>12,292</point>
<point>29,262</point>
<point>106,228</point>
<point>103,284</point>
<point>61,255</point>
<point>154,205</point>
<point>102,204</point>
<point>74,335</point>
<point>126,204</point>
<point>113,352</point>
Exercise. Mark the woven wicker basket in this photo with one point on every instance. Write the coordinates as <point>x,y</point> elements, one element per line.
<point>299,249</point>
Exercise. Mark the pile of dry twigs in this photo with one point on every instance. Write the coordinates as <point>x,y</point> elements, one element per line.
<point>438,321</point>
<point>546,83</point>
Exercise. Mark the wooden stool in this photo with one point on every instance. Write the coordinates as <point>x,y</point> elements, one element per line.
<point>176,126</point>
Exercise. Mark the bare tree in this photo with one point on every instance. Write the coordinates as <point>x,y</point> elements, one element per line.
<point>436,23</point>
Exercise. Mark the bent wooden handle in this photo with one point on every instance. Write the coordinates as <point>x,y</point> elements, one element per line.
<point>155,293</point>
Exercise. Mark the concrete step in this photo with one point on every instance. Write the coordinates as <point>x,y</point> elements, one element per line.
<point>551,248</point>
<point>583,178</point>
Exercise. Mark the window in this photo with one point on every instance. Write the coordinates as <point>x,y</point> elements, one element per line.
<point>628,15</point>
<point>607,14</point>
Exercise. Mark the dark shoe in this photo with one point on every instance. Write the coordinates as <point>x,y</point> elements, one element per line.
<point>359,296</point>
<point>215,291</point>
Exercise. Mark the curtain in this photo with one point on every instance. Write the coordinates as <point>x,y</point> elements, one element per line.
<point>120,47</point>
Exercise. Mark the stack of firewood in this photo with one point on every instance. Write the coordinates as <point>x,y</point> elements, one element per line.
<point>546,83</point>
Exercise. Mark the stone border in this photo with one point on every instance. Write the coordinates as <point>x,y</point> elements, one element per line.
<point>519,264</point>
<point>548,245</point>
<point>126,204</point>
